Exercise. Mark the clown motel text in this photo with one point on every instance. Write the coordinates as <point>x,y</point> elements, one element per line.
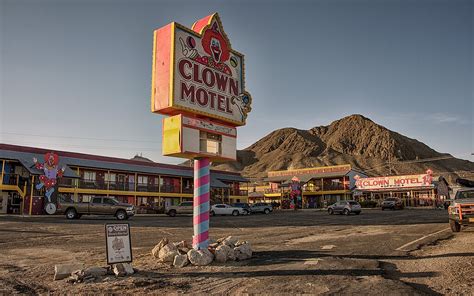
<point>206,87</point>
<point>394,181</point>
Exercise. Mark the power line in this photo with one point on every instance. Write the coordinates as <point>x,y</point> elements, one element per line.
<point>98,147</point>
<point>80,138</point>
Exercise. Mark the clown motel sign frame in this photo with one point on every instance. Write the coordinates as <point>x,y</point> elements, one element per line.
<point>394,182</point>
<point>196,71</point>
<point>198,81</point>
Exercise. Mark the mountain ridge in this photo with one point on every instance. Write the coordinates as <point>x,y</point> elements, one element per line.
<point>354,140</point>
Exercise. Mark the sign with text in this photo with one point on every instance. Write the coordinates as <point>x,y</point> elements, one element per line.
<point>409,181</point>
<point>195,71</point>
<point>343,169</point>
<point>118,243</point>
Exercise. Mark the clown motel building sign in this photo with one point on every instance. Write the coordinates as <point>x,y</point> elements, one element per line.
<point>198,81</point>
<point>395,182</point>
<point>196,72</point>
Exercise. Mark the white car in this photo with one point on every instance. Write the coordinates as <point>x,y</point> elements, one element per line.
<point>223,209</point>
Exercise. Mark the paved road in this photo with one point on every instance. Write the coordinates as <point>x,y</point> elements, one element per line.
<point>300,248</point>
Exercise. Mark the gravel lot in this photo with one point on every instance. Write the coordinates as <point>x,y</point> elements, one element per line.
<point>392,252</point>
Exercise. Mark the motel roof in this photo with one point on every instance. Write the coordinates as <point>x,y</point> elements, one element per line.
<point>309,173</point>
<point>25,156</point>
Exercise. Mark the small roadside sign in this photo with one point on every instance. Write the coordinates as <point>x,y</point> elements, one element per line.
<point>118,243</point>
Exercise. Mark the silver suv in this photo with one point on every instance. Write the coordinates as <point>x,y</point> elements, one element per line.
<point>261,207</point>
<point>345,207</point>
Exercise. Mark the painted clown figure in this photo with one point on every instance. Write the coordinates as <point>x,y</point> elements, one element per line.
<point>51,173</point>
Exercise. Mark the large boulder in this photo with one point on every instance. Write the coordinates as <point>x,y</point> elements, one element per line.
<point>163,242</point>
<point>200,257</point>
<point>230,241</point>
<point>243,252</point>
<point>123,269</point>
<point>95,271</point>
<point>222,253</point>
<point>167,253</point>
<point>62,271</point>
<point>180,261</point>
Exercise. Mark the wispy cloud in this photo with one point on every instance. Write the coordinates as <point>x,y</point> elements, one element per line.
<point>433,118</point>
<point>448,118</point>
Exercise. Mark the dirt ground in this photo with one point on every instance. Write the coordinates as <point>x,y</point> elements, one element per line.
<point>410,252</point>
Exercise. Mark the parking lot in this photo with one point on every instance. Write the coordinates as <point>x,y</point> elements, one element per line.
<point>402,252</point>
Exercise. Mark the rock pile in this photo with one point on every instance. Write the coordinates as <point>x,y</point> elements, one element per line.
<point>76,273</point>
<point>181,254</point>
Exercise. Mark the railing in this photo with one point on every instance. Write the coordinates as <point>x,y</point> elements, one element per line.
<point>170,189</point>
<point>142,187</point>
<point>239,192</point>
<point>120,186</point>
<point>12,179</point>
<point>273,190</point>
<point>325,188</point>
<point>188,190</point>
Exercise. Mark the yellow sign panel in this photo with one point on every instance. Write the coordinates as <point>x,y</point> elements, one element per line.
<point>171,135</point>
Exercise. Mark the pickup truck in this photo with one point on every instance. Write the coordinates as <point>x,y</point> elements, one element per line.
<point>97,206</point>
<point>461,210</point>
<point>186,207</point>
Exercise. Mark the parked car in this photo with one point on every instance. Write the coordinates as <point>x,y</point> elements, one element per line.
<point>97,206</point>
<point>223,209</point>
<point>345,207</point>
<point>186,207</point>
<point>392,203</point>
<point>151,208</point>
<point>244,206</point>
<point>261,207</point>
<point>461,210</point>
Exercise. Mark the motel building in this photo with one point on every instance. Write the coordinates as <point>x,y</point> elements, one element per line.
<point>421,190</point>
<point>148,185</point>
<point>321,186</point>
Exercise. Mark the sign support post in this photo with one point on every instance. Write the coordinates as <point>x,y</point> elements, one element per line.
<point>202,182</point>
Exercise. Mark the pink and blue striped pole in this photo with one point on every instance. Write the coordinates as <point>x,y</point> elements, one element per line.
<point>202,183</point>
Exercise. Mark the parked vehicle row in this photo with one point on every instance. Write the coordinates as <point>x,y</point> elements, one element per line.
<point>221,209</point>
<point>122,211</point>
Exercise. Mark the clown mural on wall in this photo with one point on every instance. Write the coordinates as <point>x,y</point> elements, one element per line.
<point>295,193</point>
<point>52,172</point>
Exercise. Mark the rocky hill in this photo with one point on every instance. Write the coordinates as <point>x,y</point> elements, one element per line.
<point>355,139</point>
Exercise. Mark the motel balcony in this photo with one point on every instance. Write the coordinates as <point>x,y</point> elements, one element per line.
<point>315,189</point>
<point>238,192</point>
<point>272,190</point>
<point>13,179</point>
<point>121,186</point>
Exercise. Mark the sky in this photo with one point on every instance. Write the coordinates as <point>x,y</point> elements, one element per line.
<point>76,75</point>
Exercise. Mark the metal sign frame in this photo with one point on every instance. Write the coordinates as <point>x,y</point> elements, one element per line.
<point>109,262</point>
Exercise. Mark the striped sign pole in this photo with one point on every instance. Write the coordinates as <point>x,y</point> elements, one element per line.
<point>202,180</point>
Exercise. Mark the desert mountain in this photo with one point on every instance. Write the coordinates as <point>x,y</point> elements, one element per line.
<point>355,140</point>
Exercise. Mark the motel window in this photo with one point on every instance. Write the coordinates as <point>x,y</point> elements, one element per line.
<point>89,176</point>
<point>110,177</point>
<point>210,143</point>
<point>142,180</point>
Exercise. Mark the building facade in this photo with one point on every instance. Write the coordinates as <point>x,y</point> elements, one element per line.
<point>420,190</point>
<point>321,186</point>
<point>147,185</point>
